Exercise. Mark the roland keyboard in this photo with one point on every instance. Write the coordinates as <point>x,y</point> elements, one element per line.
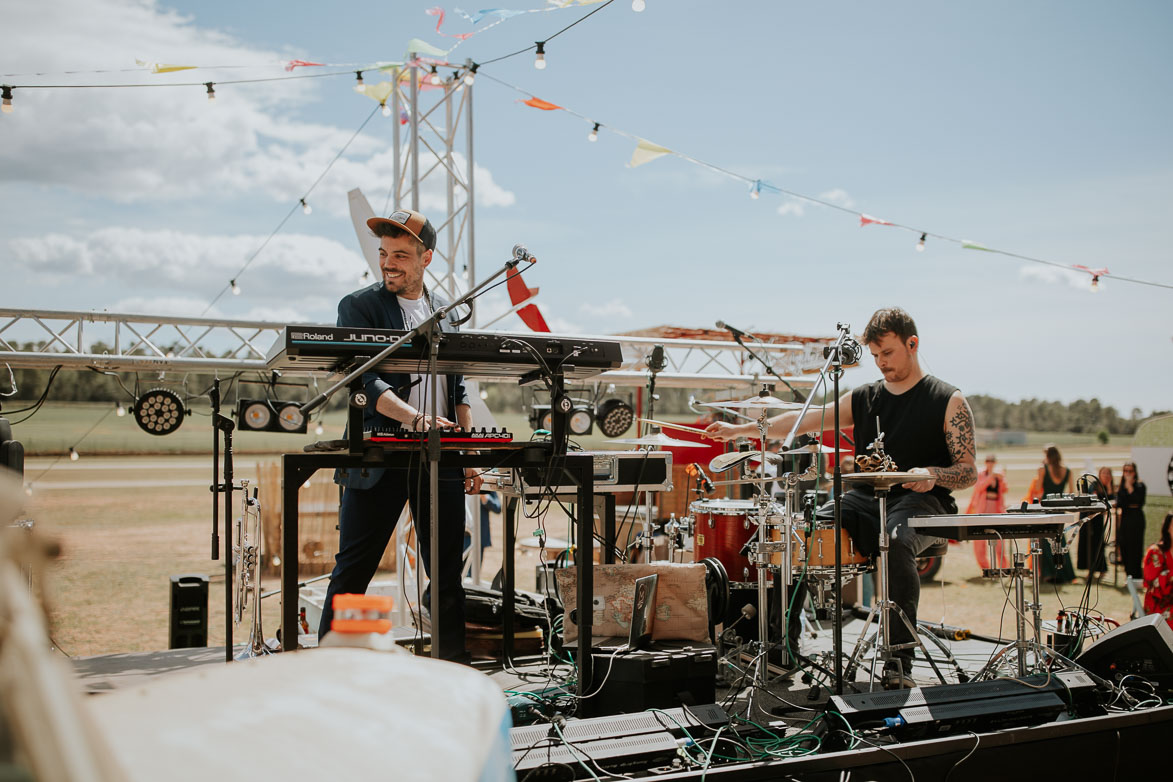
<point>993,526</point>
<point>469,353</point>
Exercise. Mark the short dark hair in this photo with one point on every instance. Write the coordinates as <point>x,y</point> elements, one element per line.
<point>393,231</point>
<point>889,320</point>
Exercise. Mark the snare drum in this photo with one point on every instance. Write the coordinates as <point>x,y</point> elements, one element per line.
<point>816,550</point>
<point>721,528</point>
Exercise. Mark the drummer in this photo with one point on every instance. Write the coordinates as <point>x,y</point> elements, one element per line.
<point>928,429</point>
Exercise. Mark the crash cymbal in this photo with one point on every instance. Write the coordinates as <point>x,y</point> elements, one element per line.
<point>659,440</point>
<point>726,461</point>
<point>754,403</point>
<point>885,480</point>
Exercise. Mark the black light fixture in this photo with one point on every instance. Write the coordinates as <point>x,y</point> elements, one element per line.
<point>581,420</point>
<point>264,415</point>
<point>614,417</point>
<point>159,411</point>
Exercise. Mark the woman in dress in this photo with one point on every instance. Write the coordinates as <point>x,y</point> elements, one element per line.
<point>1092,546</point>
<point>1130,497</point>
<point>1158,574</point>
<point>1055,478</point>
<point>989,496</point>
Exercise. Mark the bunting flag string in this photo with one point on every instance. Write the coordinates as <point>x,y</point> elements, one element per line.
<point>647,151</point>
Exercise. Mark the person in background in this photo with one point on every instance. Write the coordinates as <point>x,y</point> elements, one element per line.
<point>1092,546</point>
<point>1130,497</point>
<point>490,503</point>
<point>989,496</point>
<point>1158,574</point>
<point>1055,478</point>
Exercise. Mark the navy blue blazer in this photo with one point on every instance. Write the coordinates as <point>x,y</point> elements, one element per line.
<point>376,307</point>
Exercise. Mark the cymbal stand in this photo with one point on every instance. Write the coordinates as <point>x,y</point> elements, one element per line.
<point>760,555</point>
<point>881,613</point>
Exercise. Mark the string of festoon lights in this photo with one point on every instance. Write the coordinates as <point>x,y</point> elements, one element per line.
<point>646,151</point>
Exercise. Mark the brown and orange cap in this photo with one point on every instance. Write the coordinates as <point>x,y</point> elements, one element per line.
<point>411,221</point>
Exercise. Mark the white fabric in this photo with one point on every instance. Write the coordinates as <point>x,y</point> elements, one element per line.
<point>415,311</point>
<point>317,714</point>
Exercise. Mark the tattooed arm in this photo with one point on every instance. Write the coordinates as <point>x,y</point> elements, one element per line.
<point>959,438</point>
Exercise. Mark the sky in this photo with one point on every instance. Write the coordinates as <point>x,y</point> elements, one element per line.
<point>1039,128</point>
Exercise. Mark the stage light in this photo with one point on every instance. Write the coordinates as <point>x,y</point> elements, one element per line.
<point>264,415</point>
<point>540,417</point>
<point>386,109</point>
<point>211,91</point>
<point>594,134</point>
<point>582,420</point>
<point>920,246</point>
<point>540,58</point>
<point>305,208</point>
<point>638,5</point>
<point>6,106</point>
<point>235,288</point>
<point>159,411</point>
<point>358,82</point>
<point>73,454</point>
<point>119,410</point>
<point>471,75</point>
<point>614,417</point>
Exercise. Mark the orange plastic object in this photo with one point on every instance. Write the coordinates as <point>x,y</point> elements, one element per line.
<point>362,613</point>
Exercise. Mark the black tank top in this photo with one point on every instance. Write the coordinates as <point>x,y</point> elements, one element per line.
<point>913,424</point>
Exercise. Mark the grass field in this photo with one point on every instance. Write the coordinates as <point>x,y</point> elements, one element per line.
<point>128,523</point>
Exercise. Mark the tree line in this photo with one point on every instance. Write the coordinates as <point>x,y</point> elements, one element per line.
<point>1032,415</point>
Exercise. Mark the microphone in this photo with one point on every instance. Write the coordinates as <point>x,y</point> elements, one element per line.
<point>520,253</point>
<point>706,483</point>
<point>734,331</point>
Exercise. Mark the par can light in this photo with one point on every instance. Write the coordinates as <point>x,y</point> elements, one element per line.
<point>159,411</point>
<point>265,415</point>
<point>614,417</point>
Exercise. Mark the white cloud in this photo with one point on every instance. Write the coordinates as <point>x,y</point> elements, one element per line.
<point>296,277</point>
<point>134,145</point>
<point>839,197</point>
<point>615,308</point>
<point>1052,275</point>
<point>792,207</point>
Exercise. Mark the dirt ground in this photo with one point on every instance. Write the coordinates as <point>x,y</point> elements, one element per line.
<point>126,524</point>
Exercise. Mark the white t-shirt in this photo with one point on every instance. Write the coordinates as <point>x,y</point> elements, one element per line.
<point>415,311</point>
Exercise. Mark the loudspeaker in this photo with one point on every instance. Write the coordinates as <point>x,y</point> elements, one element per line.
<point>189,611</point>
<point>1143,647</point>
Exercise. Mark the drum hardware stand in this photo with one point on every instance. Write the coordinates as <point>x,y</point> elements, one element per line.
<point>1022,646</point>
<point>883,607</point>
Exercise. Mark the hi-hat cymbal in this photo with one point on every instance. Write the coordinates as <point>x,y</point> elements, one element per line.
<point>884,480</point>
<point>824,449</point>
<point>754,403</point>
<point>660,440</point>
<point>724,461</point>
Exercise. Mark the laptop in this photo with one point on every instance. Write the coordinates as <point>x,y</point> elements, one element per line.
<point>639,634</point>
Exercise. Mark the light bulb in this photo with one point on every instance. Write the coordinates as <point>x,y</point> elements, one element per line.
<point>638,5</point>
<point>319,430</point>
<point>594,134</point>
<point>73,454</point>
<point>365,277</point>
<point>306,208</point>
<point>435,77</point>
<point>920,245</point>
<point>755,190</point>
<point>28,490</point>
<point>6,106</point>
<point>235,288</point>
<point>120,411</point>
<point>1095,283</point>
<point>484,393</point>
<point>471,76</point>
<point>211,91</point>
<point>386,110</point>
<point>540,58</point>
<point>358,82</point>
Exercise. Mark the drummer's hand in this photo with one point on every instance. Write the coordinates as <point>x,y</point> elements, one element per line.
<point>921,486</point>
<point>721,432</point>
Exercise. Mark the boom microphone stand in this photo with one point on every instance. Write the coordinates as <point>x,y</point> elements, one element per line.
<point>845,347</point>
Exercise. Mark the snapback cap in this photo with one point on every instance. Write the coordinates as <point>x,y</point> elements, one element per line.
<point>411,221</point>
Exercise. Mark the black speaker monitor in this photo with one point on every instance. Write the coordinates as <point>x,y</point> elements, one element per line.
<point>1143,647</point>
<point>189,611</point>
